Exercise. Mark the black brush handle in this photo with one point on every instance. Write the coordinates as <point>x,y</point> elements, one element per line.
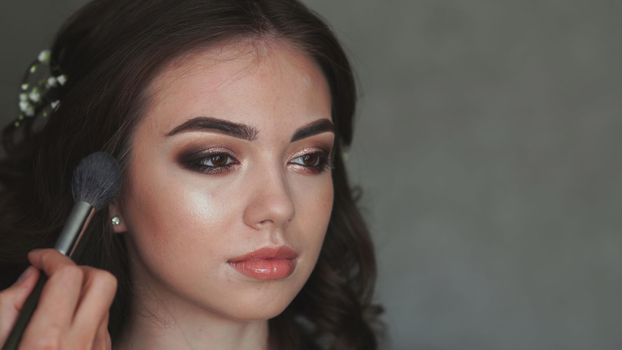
<point>70,236</point>
<point>12,342</point>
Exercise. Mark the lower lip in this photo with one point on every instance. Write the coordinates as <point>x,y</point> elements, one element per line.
<point>265,269</point>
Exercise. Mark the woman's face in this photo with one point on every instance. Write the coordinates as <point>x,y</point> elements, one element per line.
<point>232,156</point>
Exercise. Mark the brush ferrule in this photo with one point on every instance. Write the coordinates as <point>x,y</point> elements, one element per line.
<point>74,228</point>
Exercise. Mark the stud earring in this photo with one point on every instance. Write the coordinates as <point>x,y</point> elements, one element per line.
<point>116,220</point>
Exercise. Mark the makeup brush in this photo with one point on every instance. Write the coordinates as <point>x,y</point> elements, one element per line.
<point>96,180</point>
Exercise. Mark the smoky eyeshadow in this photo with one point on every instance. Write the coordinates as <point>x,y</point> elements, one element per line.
<point>194,160</point>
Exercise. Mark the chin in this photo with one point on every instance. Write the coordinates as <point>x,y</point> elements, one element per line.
<point>257,309</point>
<point>263,301</point>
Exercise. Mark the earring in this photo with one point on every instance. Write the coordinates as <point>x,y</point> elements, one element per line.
<point>116,220</point>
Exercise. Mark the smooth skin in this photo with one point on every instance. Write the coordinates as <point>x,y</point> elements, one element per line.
<point>185,213</point>
<point>73,308</point>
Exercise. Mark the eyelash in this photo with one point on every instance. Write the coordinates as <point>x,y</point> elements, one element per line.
<point>196,161</point>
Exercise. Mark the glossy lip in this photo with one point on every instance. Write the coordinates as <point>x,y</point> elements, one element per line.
<point>266,263</point>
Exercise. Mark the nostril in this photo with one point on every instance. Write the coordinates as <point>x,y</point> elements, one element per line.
<point>266,221</point>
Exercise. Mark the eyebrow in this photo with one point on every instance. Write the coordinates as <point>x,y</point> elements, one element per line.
<point>213,124</point>
<point>247,132</point>
<point>317,127</point>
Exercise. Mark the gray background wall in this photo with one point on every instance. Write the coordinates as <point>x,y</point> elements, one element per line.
<point>488,146</point>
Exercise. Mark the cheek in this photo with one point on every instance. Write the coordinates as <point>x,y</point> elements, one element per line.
<point>171,218</point>
<point>314,203</point>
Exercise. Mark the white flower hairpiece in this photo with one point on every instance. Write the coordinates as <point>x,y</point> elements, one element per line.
<point>35,96</point>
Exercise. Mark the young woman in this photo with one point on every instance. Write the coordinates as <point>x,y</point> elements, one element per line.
<point>235,227</point>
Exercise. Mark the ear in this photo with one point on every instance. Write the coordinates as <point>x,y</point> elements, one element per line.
<point>115,214</point>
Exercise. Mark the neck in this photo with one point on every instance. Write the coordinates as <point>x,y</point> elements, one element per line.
<point>156,324</point>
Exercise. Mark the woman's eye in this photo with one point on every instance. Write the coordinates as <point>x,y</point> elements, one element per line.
<point>211,163</point>
<point>315,161</point>
<point>221,162</point>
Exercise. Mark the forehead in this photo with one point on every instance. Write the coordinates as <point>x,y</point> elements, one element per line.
<point>255,82</point>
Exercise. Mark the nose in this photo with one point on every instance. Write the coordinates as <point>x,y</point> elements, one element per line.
<point>271,204</point>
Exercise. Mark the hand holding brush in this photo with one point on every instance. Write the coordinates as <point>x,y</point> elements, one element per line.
<point>73,305</point>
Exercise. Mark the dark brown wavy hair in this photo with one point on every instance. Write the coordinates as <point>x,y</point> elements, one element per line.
<point>110,50</point>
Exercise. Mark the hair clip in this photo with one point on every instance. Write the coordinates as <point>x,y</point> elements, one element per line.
<point>36,96</point>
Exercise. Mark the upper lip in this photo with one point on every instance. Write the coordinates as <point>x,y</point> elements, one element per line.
<point>282,252</point>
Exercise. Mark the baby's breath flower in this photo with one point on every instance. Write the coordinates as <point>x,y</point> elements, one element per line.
<point>51,82</point>
<point>34,95</point>
<point>44,56</point>
<point>23,105</point>
<point>62,79</point>
<point>36,90</point>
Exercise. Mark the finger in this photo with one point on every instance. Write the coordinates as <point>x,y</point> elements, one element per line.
<point>48,260</point>
<point>63,288</point>
<point>102,339</point>
<point>97,295</point>
<point>16,294</point>
<point>12,299</point>
<point>58,300</point>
